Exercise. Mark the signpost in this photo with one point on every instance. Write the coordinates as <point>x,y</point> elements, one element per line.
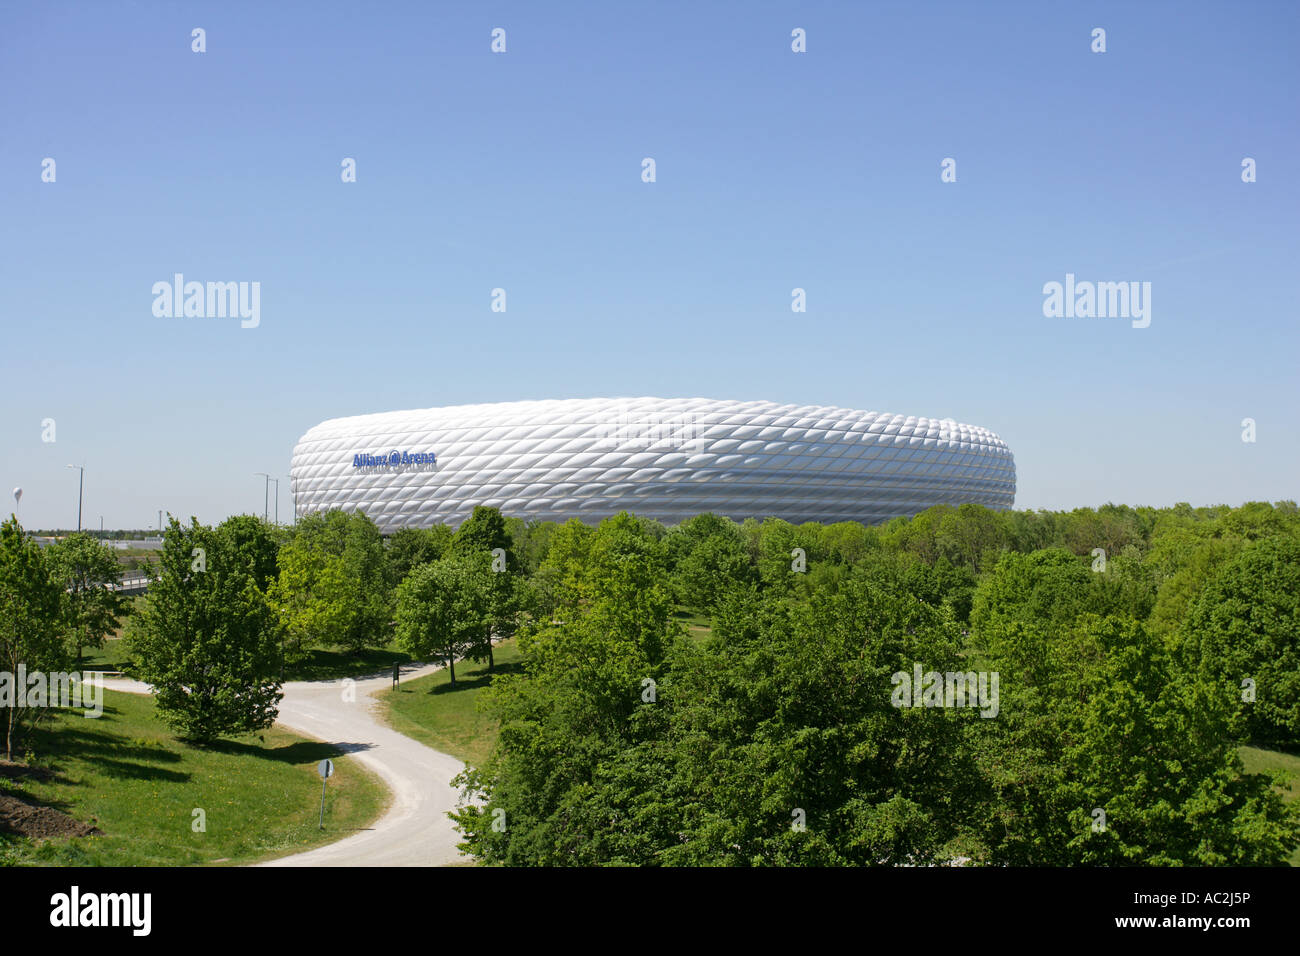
<point>326,770</point>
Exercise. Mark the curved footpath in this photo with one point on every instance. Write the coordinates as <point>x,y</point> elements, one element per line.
<point>415,831</point>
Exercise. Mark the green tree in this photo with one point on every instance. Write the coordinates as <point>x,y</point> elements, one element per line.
<point>481,533</point>
<point>1246,625</point>
<point>335,586</point>
<point>408,548</point>
<point>581,699</point>
<point>485,542</point>
<point>86,572</point>
<point>777,542</point>
<point>1180,589</point>
<point>1052,586</point>
<point>314,599</point>
<point>444,610</point>
<point>561,576</point>
<point>507,599</point>
<point>206,638</point>
<point>1097,716</point>
<point>530,541</point>
<point>790,709</point>
<point>787,709</point>
<point>972,536</point>
<point>32,628</point>
<point>849,542</point>
<point>709,557</point>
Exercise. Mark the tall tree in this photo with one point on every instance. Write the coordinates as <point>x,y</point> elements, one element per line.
<point>407,548</point>
<point>87,572</point>
<point>443,610</point>
<point>314,599</point>
<point>485,542</point>
<point>560,578</point>
<point>481,533</point>
<point>506,597</point>
<point>708,556</point>
<point>32,627</point>
<point>1107,753</point>
<point>530,540</point>
<point>1245,626</point>
<point>334,585</point>
<point>207,637</point>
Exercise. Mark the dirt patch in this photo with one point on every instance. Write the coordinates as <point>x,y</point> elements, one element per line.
<point>40,823</point>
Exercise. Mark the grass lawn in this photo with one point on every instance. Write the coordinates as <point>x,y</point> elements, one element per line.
<point>324,664</point>
<point>107,658</point>
<point>126,773</point>
<point>698,624</point>
<point>1258,761</point>
<point>447,718</point>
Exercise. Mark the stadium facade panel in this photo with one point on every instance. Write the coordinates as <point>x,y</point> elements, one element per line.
<point>667,459</point>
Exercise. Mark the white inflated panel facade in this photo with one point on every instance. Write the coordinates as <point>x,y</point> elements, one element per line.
<point>667,459</point>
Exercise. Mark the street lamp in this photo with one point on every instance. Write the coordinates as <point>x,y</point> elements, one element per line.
<point>277,501</point>
<point>80,484</point>
<point>266,493</point>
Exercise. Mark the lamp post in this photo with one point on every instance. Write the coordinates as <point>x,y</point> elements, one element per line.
<point>266,493</point>
<point>80,484</point>
<point>277,501</point>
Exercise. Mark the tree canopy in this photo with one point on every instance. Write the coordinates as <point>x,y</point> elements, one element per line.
<point>207,638</point>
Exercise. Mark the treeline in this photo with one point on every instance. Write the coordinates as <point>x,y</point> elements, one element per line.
<point>238,607</point>
<point>1133,650</point>
<point>1110,661</point>
<point>117,534</point>
<point>234,609</point>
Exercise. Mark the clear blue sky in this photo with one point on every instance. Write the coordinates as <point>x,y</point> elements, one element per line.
<point>523,171</point>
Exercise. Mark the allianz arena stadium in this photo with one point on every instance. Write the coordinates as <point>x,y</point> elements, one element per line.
<point>668,459</point>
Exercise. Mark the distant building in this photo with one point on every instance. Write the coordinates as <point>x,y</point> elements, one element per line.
<point>667,459</point>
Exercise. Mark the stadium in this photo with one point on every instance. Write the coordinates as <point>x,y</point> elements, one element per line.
<point>667,459</point>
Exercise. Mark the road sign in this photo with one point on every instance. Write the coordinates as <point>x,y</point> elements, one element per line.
<point>326,769</point>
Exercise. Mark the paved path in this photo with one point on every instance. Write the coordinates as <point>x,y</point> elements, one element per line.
<point>415,831</point>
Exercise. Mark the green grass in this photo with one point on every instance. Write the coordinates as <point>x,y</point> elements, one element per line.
<point>698,623</point>
<point>128,774</point>
<point>324,664</point>
<point>447,718</point>
<point>1257,760</point>
<point>110,657</point>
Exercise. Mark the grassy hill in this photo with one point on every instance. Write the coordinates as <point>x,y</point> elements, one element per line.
<point>126,774</point>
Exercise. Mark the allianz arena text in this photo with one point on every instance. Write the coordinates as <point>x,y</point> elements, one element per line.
<point>667,459</point>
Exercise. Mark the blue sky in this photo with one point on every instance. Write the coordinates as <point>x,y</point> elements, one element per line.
<point>522,171</point>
